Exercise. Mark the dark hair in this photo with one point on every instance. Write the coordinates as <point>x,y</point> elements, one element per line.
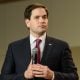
<point>28,10</point>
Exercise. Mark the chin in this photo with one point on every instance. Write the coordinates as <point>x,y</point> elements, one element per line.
<point>41,33</point>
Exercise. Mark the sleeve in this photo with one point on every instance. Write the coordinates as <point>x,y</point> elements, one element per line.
<point>8,69</point>
<point>68,69</point>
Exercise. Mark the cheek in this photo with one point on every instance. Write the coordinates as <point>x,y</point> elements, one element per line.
<point>47,21</point>
<point>33,24</point>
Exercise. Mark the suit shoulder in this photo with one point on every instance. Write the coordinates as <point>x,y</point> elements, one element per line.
<point>19,42</point>
<point>57,41</point>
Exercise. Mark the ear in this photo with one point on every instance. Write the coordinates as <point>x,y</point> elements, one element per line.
<point>27,21</point>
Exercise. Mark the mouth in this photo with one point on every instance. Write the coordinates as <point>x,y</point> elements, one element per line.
<point>42,26</point>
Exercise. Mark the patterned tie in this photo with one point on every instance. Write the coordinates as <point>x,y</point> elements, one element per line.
<point>38,41</point>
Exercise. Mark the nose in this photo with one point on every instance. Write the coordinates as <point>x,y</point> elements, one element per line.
<point>41,19</point>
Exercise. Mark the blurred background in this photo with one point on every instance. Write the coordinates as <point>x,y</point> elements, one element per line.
<point>64,23</point>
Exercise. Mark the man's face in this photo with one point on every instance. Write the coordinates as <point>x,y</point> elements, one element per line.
<point>38,22</point>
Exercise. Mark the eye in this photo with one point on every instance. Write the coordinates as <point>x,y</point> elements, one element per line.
<point>44,17</point>
<point>36,17</point>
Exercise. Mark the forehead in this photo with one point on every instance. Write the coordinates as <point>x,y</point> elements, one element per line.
<point>39,11</point>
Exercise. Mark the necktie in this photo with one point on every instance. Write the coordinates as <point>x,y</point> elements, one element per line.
<point>38,41</point>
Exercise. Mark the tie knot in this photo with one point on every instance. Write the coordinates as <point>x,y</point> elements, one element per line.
<point>38,41</point>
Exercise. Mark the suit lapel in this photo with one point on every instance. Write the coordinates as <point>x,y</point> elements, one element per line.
<point>27,51</point>
<point>47,49</point>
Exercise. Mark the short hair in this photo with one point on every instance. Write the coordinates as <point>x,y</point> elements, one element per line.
<point>28,10</point>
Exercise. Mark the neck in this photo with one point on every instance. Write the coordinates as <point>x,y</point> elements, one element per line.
<point>38,35</point>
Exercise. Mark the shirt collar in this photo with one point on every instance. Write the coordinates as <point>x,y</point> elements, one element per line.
<point>32,38</point>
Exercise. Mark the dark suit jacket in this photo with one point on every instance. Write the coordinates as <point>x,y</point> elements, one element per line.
<point>56,55</point>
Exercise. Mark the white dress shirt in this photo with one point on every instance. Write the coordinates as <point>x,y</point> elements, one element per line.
<point>33,42</point>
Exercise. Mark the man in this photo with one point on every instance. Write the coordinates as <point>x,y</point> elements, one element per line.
<point>55,62</point>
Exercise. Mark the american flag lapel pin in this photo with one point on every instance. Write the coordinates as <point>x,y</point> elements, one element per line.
<point>49,44</point>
